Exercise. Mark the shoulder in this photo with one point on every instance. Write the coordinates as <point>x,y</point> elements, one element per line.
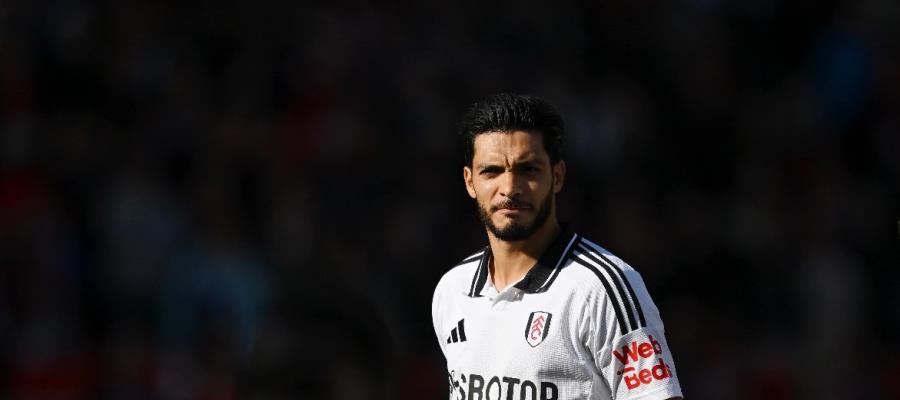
<point>596,266</point>
<point>586,249</point>
<point>453,285</point>
<point>460,276</point>
<point>616,283</point>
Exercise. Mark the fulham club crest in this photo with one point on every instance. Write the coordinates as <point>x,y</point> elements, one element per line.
<point>537,327</point>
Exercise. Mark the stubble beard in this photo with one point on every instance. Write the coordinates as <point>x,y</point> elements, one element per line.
<point>515,232</point>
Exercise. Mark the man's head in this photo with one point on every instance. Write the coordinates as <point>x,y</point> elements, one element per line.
<point>513,163</point>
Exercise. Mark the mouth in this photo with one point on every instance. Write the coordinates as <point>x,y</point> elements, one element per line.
<point>514,209</point>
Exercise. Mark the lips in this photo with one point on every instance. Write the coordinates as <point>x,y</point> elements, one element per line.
<point>512,208</point>
<point>511,211</point>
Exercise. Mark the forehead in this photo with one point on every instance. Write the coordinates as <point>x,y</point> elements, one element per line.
<point>509,146</point>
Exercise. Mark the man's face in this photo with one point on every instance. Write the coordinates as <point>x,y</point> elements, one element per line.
<point>513,182</point>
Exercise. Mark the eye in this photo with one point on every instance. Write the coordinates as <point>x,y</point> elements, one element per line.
<point>490,171</point>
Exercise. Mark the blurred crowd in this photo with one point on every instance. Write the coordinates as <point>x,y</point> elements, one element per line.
<point>220,200</point>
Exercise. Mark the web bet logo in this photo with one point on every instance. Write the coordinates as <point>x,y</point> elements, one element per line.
<point>638,351</point>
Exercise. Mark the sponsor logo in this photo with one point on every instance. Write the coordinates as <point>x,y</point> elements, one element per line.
<point>458,334</point>
<point>537,327</point>
<point>634,375</point>
<point>477,387</point>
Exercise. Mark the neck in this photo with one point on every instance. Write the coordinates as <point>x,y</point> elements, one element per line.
<point>510,261</point>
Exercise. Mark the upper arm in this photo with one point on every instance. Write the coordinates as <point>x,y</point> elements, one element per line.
<point>437,312</point>
<point>633,359</point>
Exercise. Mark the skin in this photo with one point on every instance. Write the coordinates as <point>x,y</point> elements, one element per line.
<point>510,178</point>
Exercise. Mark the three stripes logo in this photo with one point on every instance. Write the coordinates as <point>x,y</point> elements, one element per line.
<point>458,334</point>
<point>537,327</point>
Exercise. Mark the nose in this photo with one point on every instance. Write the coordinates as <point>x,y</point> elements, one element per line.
<point>511,184</point>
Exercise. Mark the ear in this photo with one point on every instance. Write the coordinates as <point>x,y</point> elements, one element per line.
<point>467,177</point>
<point>559,175</point>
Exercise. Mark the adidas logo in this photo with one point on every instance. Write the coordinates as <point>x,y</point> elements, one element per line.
<point>458,334</point>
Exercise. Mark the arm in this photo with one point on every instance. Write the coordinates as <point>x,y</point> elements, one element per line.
<point>631,352</point>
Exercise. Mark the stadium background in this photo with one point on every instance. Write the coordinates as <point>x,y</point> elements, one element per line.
<point>215,201</point>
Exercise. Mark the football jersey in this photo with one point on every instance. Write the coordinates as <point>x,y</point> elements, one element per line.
<point>579,325</point>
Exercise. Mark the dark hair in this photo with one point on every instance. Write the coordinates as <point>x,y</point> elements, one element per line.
<point>506,112</point>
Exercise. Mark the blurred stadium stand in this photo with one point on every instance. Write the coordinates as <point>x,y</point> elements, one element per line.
<point>255,199</point>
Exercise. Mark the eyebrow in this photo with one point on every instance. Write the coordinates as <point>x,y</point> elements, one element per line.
<point>526,162</point>
<point>484,166</point>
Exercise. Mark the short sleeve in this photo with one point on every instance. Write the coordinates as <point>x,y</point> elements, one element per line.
<point>628,344</point>
<point>436,314</point>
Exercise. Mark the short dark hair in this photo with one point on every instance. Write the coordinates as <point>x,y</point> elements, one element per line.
<point>507,112</point>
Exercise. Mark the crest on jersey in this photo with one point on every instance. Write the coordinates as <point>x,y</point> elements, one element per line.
<point>537,327</point>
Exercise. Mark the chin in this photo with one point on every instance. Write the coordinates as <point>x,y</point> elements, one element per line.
<point>510,222</point>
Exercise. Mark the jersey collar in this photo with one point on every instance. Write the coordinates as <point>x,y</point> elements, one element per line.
<point>541,276</point>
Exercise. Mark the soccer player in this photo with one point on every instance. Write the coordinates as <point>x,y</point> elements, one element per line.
<point>541,313</point>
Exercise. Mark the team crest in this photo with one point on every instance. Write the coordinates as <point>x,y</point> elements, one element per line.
<point>537,327</point>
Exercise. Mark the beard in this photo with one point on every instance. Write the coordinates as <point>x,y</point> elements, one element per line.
<point>515,232</point>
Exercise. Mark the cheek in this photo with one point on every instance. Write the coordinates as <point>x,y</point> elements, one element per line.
<point>483,196</point>
<point>484,188</point>
<point>540,185</point>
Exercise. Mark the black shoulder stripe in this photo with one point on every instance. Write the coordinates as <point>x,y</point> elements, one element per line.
<point>615,280</point>
<point>612,296</point>
<point>637,301</point>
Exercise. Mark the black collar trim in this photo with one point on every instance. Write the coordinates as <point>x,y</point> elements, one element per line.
<point>481,273</point>
<point>541,276</point>
<point>545,271</point>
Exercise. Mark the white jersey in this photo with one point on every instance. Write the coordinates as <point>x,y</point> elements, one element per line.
<point>579,325</point>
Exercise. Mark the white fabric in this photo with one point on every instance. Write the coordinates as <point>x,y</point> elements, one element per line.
<point>583,355</point>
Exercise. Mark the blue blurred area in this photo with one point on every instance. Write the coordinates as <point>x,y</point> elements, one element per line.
<point>255,199</point>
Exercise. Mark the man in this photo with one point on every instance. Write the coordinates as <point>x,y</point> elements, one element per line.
<point>541,312</point>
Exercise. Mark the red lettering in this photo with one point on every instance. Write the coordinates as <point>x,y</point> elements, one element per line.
<point>656,347</point>
<point>661,370</point>
<point>645,350</point>
<point>632,381</point>
<point>646,376</point>
<point>658,371</point>
<point>628,353</point>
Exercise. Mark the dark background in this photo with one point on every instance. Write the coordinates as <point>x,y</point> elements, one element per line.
<point>217,200</point>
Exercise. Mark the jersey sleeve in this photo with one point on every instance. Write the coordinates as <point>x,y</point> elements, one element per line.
<point>436,314</point>
<point>627,340</point>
